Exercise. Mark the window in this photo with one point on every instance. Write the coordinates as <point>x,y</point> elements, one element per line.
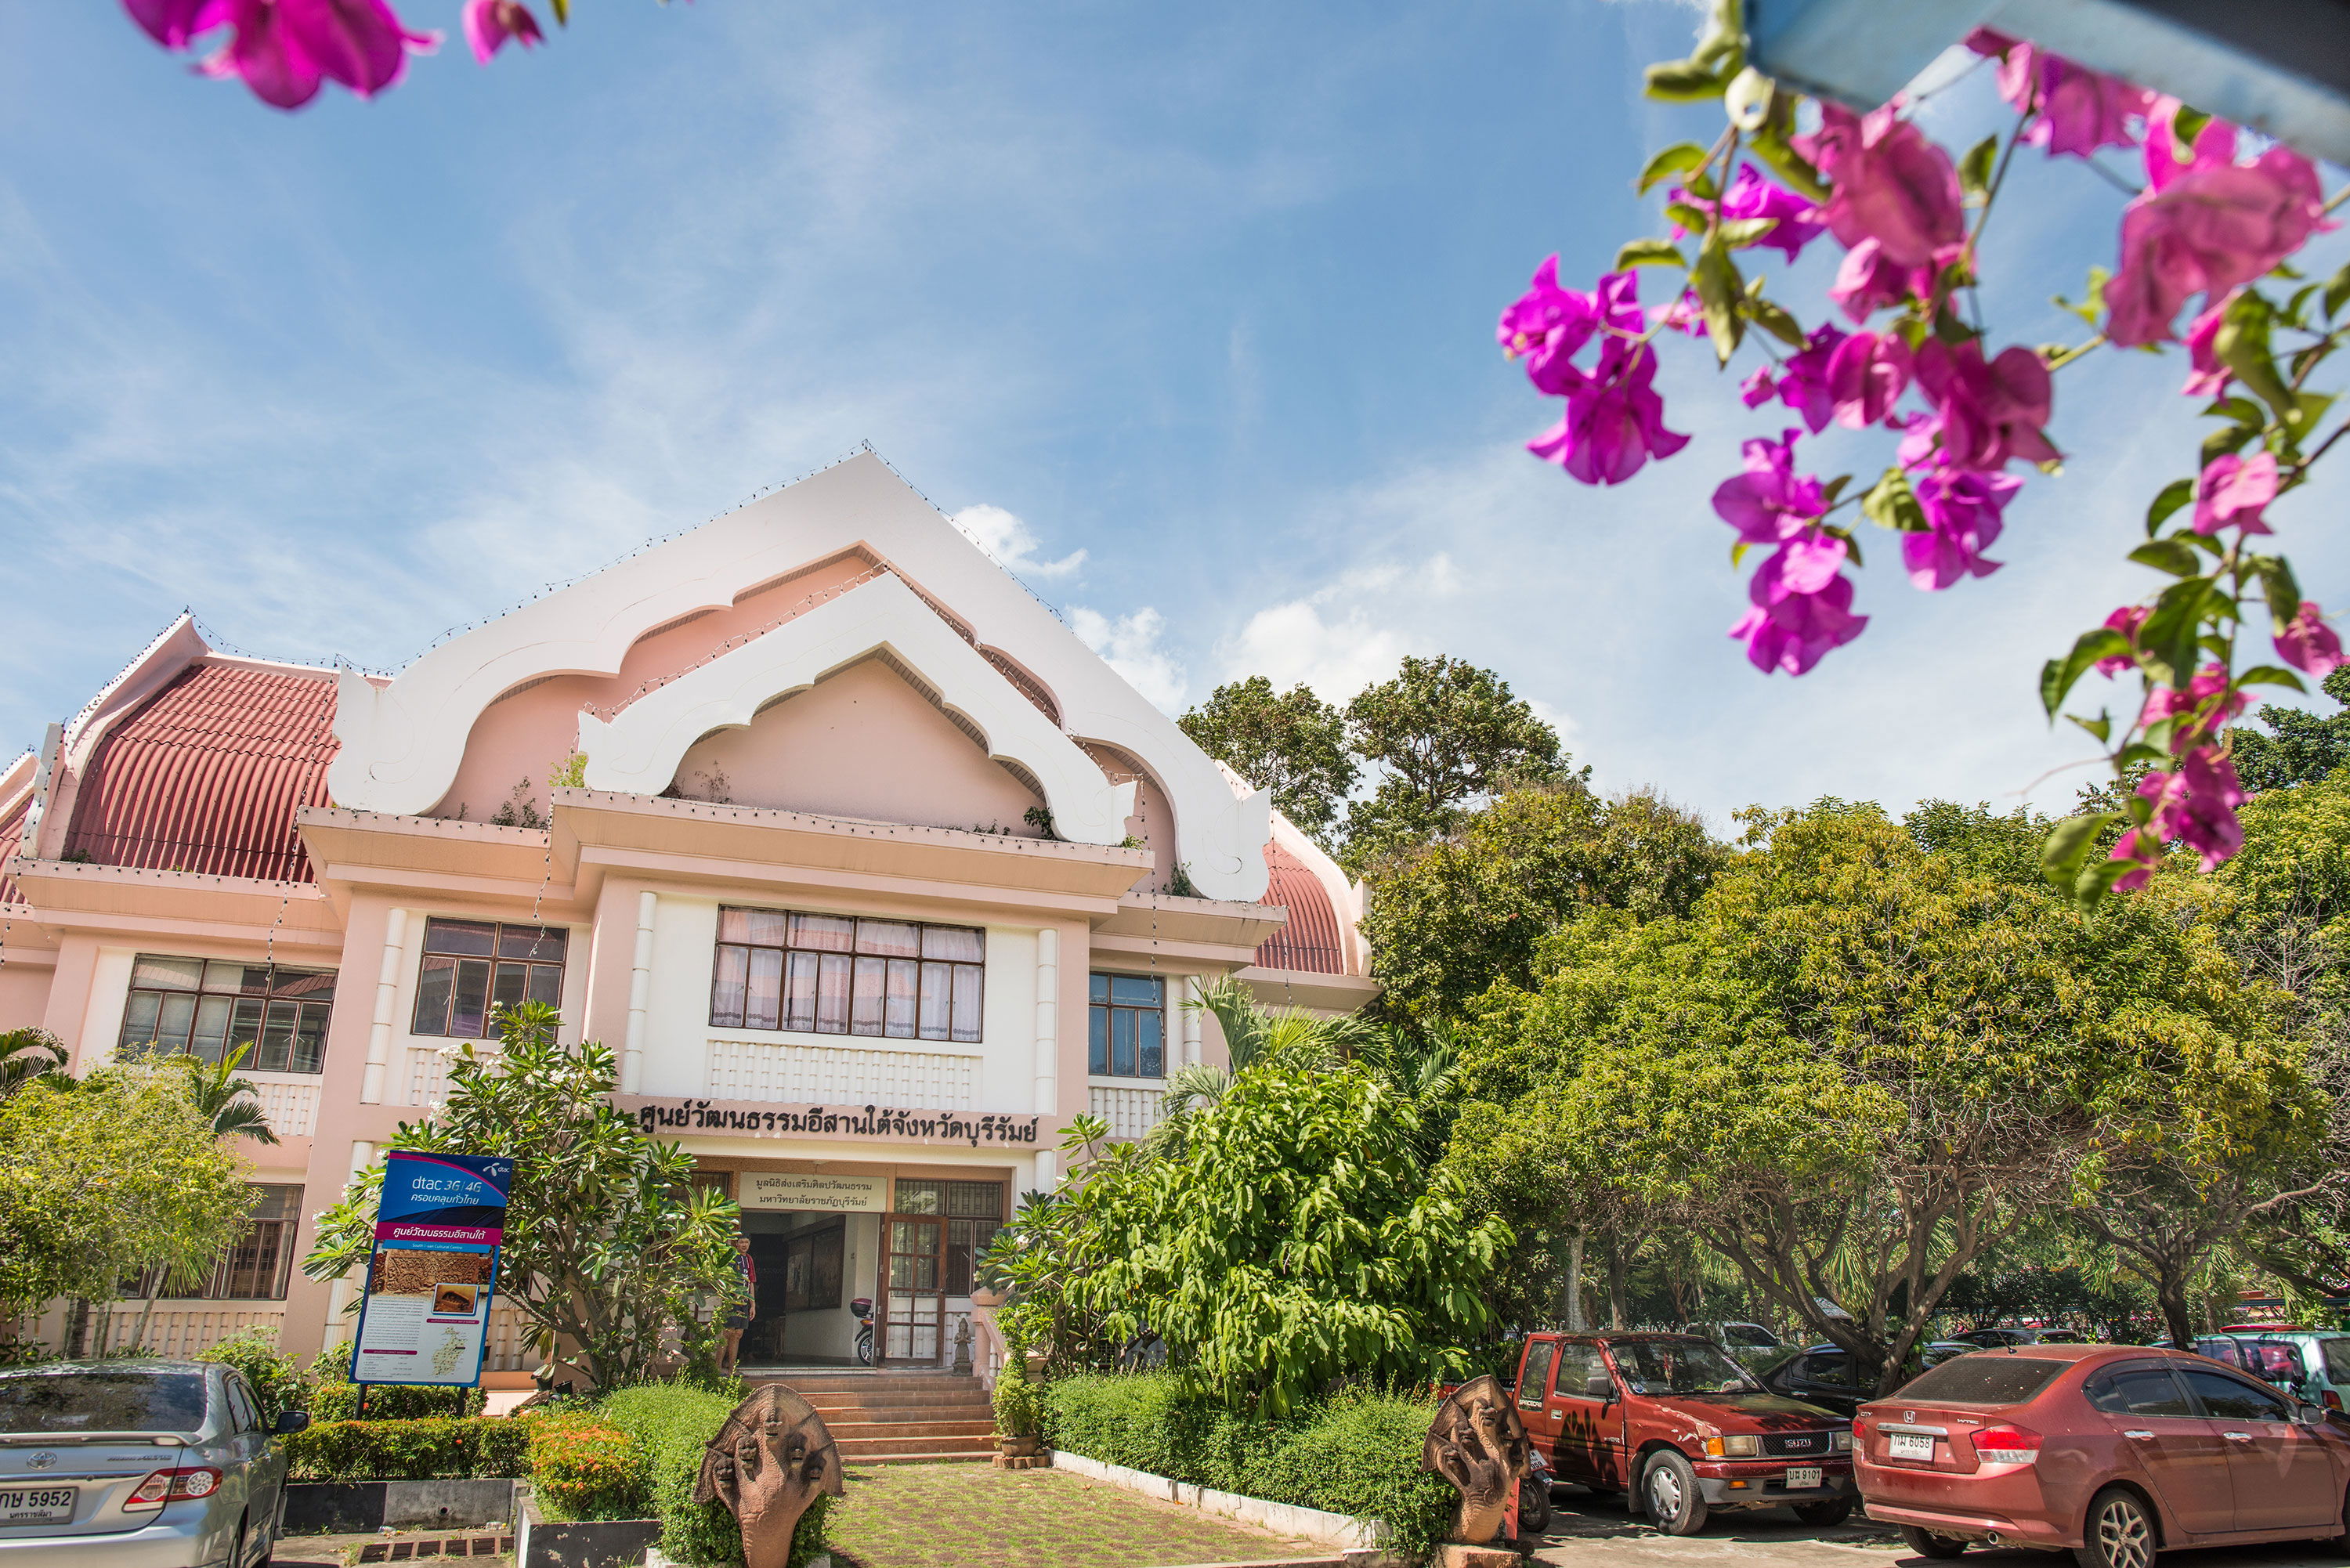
<point>209,1007</point>
<point>2226,1398</point>
<point>255,1267</point>
<point>474,967</point>
<point>1582,1374</point>
<point>832,974</point>
<point>1129,1026</point>
<point>2140,1390</point>
<point>974,1212</point>
<point>1831,1370</point>
<point>1537,1371</point>
<point>1985,1380</point>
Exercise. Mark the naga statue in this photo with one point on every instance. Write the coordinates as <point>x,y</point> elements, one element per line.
<point>1477,1443</point>
<point>766,1464</point>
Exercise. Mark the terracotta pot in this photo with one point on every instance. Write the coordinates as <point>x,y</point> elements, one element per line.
<point>1015,1448</point>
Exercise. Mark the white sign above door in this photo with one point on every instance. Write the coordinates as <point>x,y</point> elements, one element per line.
<point>832,1194</point>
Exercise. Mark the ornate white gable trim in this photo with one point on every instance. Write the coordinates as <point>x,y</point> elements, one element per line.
<point>402,742</point>
<point>639,752</point>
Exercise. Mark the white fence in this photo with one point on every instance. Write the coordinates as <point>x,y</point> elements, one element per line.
<point>181,1329</point>
<point>291,1103</point>
<point>1130,1112</point>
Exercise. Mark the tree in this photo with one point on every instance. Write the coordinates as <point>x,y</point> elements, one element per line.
<point>2005,845</point>
<point>608,1244</point>
<point>1855,1067</point>
<point>2300,747</point>
<point>1293,744</point>
<point>1445,734</point>
<point>227,1101</point>
<point>1448,919</point>
<point>104,1178</point>
<point>28,1054</point>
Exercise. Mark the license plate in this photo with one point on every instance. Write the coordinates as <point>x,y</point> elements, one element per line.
<point>44,1505</point>
<point>1803,1478</point>
<point>1909,1445</point>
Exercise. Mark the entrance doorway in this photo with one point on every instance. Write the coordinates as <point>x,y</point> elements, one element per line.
<point>914,1315</point>
<point>807,1265</point>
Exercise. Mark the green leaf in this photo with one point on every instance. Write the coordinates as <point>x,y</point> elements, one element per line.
<point>1718,284</point>
<point>1835,488</point>
<point>2270,675</point>
<point>1683,81</point>
<point>2098,881</point>
<point>2232,439</point>
<point>2337,291</point>
<point>2175,495</point>
<point>1695,220</point>
<point>2185,126</point>
<point>2278,585</point>
<point>2093,302</point>
<point>2242,345</point>
<point>2102,726</point>
<point>1650,252</point>
<point>1748,99</point>
<point>562,12</point>
<point>2068,844</point>
<point>2169,556</point>
<point>1975,168</point>
<point>1891,504</point>
<point>1679,159</point>
<point>2058,676</point>
<point>2167,638</point>
<point>1739,232</point>
<point>1775,320</point>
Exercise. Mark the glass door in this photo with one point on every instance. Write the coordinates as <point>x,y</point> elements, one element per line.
<point>914,1321</point>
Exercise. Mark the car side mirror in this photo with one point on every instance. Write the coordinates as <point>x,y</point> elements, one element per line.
<point>291,1422</point>
<point>1599,1386</point>
<point>2309,1414</point>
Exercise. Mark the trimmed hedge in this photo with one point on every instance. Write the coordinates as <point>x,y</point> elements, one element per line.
<point>409,1451</point>
<point>582,1466</point>
<point>1357,1453</point>
<point>671,1425</point>
<point>332,1399</point>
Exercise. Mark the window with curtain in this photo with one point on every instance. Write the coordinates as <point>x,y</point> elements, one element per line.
<point>836,974</point>
<point>209,1006</point>
<point>1127,1027</point>
<point>256,1266</point>
<point>472,968</point>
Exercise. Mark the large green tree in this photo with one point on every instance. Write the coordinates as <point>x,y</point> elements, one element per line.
<point>608,1245</point>
<point>1443,735</point>
<point>1291,742</point>
<point>1855,1068</point>
<point>2299,747</point>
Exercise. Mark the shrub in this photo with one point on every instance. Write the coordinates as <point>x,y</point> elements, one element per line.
<point>581,1467</point>
<point>672,1424</point>
<point>1357,1453</point>
<point>277,1377</point>
<point>335,1398</point>
<point>409,1451</point>
<point>1019,1403</point>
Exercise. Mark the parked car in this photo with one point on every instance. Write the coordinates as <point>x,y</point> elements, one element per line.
<point>138,1464</point>
<point>1736,1336</point>
<point>2112,1452</point>
<point>2311,1364</point>
<point>1672,1420</point>
<point>1823,1374</point>
<point>1997,1338</point>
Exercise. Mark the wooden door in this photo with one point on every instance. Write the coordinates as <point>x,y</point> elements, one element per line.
<point>914,1312</point>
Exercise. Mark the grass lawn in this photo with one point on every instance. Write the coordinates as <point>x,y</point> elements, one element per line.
<point>976,1516</point>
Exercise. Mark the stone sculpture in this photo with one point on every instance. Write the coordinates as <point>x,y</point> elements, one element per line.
<point>1477,1443</point>
<point>766,1464</point>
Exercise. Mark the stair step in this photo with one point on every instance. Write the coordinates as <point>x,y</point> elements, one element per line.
<point>858,1447</point>
<point>858,1431</point>
<point>916,1458</point>
<point>848,1382</point>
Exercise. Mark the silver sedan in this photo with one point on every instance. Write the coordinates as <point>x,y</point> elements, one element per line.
<point>138,1464</point>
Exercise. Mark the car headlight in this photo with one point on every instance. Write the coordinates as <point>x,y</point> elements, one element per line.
<point>1841,1441</point>
<point>1739,1445</point>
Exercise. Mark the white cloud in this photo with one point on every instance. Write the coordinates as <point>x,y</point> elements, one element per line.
<point>1337,655</point>
<point>1130,646</point>
<point>1012,542</point>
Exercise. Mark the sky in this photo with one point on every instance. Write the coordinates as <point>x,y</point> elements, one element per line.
<point>1187,312</point>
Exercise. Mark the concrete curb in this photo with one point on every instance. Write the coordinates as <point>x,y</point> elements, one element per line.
<point>1282,1518</point>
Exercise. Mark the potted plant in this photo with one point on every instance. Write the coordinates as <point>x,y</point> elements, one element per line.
<point>1019,1419</point>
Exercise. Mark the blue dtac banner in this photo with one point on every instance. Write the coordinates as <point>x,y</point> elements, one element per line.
<point>425,1317</point>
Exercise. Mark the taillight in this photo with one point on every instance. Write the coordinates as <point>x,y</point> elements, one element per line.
<point>173,1486</point>
<point>2332,1400</point>
<point>2007,1445</point>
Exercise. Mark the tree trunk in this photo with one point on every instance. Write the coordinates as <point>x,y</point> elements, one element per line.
<point>1574,1280</point>
<point>78,1328</point>
<point>1614,1281</point>
<point>147,1315</point>
<point>2170,1292</point>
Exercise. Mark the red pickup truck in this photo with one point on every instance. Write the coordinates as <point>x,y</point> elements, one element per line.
<point>1672,1420</point>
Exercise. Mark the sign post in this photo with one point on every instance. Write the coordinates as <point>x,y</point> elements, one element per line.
<point>425,1316</point>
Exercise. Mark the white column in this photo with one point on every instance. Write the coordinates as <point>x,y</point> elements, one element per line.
<point>387,1004</point>
<point>1048,1028</point>
<point>338,1297</point>
<point>640,988</point>
<point>1047,1176</point>
<point>1190,992</point>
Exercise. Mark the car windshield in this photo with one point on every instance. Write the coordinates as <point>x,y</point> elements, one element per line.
<point>1679,1367</point>
<point>64,1402</point>
<point>1984,1379</point>
<point>1752,1337</point>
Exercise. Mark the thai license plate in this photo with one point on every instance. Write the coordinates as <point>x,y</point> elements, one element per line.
<point>1803,1478</point>
<point>1909,1445</point>
<point>43,1505</point>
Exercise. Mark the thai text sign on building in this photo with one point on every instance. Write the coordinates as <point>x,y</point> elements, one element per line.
<point>837,1194</point>
<point>425,1316</point>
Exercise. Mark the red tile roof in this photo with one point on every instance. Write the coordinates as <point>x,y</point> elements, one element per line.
<point>1311,940</point>
<point>206,774</point>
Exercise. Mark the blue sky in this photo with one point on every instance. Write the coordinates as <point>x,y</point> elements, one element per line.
<point>1205,293</point>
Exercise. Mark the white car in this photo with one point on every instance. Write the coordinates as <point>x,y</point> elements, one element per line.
<point>138,1464</point>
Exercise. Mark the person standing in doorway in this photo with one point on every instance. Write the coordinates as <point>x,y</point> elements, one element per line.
<point>738,1316</point>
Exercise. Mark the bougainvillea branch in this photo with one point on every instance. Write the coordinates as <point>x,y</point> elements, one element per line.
<point>1968,419</point>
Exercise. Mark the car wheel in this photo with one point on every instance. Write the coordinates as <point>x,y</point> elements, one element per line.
<point>1669,1491</point>
<point>1835,1510</point>
<point>1534,1506</point>
<point>2120,1534</point>
<point>1926,1543</point>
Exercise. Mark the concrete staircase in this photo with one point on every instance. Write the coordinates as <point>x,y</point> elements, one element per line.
<point>896,1418</point>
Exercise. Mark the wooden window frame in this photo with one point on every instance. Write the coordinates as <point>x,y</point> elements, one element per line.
<point>847,991</point>
<point>537,977</point>
<point>247,1014</point>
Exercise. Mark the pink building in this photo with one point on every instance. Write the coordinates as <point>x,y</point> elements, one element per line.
<point>860,828</point>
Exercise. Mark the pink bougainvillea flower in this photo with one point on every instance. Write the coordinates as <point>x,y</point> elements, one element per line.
<point>1963,512</point>
<point>1758,388</point>
<point>2125,620</point>
<point>176,24</point>
<point>1867,280</point>
<point>2080,109</point>
<point>1771,502</point>
<point>1802,606</point>
<point>1610,430</point>
<point>1867,376</point>
<point>284,50</point>
<point>1753,196</point>
<point>2196,805</point>
<point>1989,413</point>
<point>490,23</point>
<point>2308,643</point>
<point>2234,491</point>
<point>2143,848</point>
<point>2205,377</point>
<point>1547,324</point>
<point>1685,314</point>
<point>1804,379</point>
<point>2204,225</point>
<point>1891,184</point>
<point>2201,710</point>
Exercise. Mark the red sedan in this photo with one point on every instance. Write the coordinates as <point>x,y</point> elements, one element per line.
<point>2112,1452</point>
